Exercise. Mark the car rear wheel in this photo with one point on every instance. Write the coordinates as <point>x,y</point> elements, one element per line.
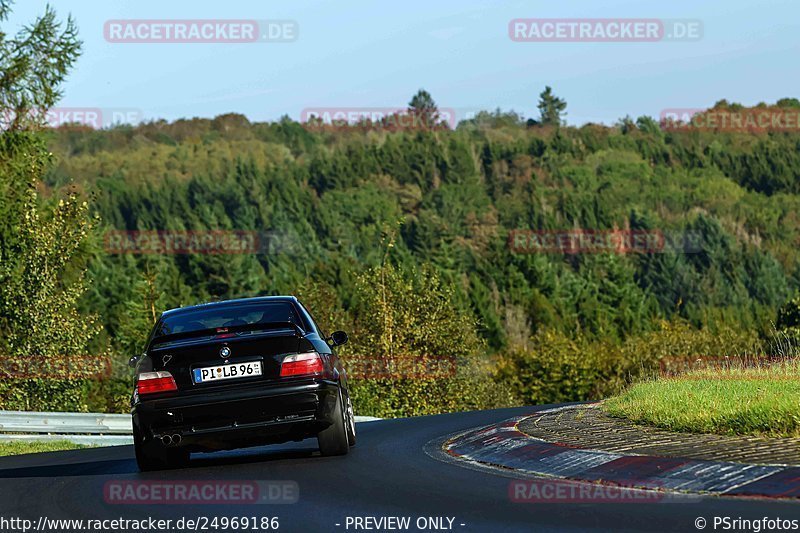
<point>350,422</point>
<point>333,439</point>
<point>146,456</point>
<point>177,457</point>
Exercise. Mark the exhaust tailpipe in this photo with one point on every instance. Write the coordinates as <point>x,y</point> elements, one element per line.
<point>176,439</point>
<point>166,440</point>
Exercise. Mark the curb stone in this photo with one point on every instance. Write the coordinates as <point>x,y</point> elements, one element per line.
<point>504,445</point>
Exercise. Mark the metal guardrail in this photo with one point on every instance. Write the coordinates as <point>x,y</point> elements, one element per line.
<point>64,423</point>
<point>97,429</point>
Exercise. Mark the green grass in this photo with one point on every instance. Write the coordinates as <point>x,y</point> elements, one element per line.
<point>19,448</point>
<point>734,401</point>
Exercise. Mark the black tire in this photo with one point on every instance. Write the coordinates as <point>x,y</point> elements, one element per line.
<point>147,458</point>
<point>350,422</point>
<point>177,457</point>
<point>333,439</point>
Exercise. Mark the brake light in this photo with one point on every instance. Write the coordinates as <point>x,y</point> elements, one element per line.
<point>222,333</point>
<point>151,382</point>
<point>302,364</point>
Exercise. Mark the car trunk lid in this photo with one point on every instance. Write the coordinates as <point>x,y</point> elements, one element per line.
<point>232,355</point>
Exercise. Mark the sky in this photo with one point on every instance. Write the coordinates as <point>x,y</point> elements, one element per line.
<point>377,54</point>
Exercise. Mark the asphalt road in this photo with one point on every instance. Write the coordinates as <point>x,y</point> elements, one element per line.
<point>387,474</point>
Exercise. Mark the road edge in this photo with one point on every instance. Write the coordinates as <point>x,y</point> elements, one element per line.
<point>503,449</point>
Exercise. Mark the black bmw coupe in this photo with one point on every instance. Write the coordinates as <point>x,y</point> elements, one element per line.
<point>238,373</point>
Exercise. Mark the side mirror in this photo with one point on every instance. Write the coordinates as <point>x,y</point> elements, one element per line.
<point>133,360</point>
<point>338,338</point>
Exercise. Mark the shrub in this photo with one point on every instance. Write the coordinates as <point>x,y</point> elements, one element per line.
<point>676,347</point>
<point>560,369</point>
<point>410,314</point>
<point>788,323</point>
<point>471,388</point>
<point>66,395</point>
<point>43,395</point>
<point>111,395</point>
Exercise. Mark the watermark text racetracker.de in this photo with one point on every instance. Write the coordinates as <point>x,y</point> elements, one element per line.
<point>56,367</point>
<point>377,118</point>
<point>200,31</point>
<point>550,491</point>
<point>200,492</point>
<point>594,241</point>
<point>205,242</point>
<point>93,117</point>
<point>597,30</point>
<point>148,523</point>
<point>730,120</point>
<point>401,366</point>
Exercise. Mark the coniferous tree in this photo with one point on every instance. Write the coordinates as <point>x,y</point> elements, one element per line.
<point>424,109</point>
<point>551,108</point>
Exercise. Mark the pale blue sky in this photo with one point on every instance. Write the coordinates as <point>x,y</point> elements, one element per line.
<point>356,53</point>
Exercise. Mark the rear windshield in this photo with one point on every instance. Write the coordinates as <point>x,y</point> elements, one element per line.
<point>224,317</point>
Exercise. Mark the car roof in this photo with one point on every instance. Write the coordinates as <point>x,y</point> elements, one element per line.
<point>227,303</point>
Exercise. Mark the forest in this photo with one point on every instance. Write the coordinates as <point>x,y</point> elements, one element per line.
<point>404,237</point>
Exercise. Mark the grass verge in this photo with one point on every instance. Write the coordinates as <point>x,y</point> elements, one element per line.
<point>735,401</point>
<point>19,448</point>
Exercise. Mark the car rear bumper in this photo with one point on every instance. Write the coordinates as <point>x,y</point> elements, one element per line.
<point>238,417</point>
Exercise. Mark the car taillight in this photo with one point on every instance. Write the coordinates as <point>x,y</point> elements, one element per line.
<point>150,382</point>
<point>302,364</point>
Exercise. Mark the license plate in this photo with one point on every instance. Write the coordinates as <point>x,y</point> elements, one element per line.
<point>221,372</point>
